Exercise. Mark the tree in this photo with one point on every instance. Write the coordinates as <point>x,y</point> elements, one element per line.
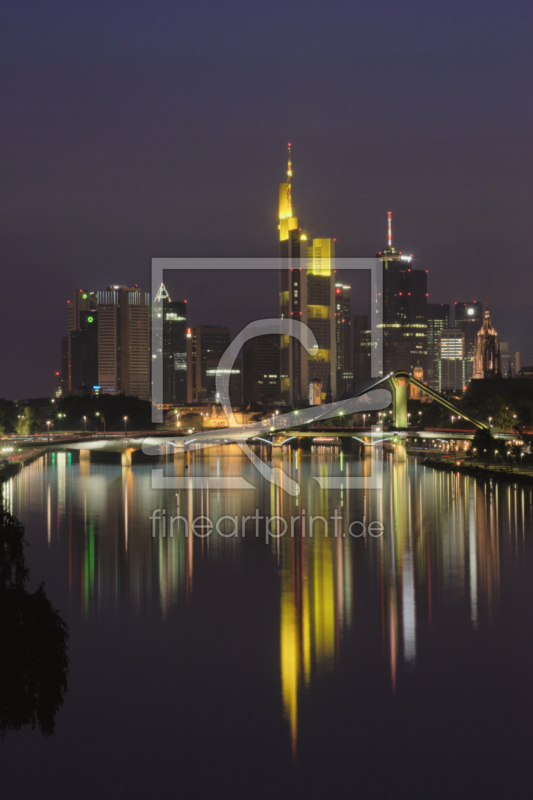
<point>29,420</point>
<point>8,415</point>
<point>33,641</point>
<point>483,443</point>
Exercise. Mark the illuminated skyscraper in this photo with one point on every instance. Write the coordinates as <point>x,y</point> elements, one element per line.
<point>174,349</point>
<point>452,364</point>
<point>205,347</point>
<point>404,310</point>
<point>123,316</point>
<point>362,342</point>
<point>438,316</point>
<point>343,328</point>
<point>307,295</point>
<point>469,318</point>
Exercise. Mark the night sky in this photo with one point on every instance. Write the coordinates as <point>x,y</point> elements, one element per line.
<point>132,130</point>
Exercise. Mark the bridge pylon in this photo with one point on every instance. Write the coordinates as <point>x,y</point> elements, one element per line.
<point>399,383</point>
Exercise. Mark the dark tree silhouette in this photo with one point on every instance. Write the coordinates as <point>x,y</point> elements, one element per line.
<point>33,641</point>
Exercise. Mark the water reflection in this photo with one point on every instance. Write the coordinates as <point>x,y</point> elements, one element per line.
<point>440,553</point>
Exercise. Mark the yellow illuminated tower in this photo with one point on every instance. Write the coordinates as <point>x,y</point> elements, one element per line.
<point>307,295</point>
<point>286,220</point>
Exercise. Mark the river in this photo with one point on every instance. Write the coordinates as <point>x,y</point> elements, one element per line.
<point>382,649</point>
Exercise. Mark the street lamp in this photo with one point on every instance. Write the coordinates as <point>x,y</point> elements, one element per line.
<point>60,416</point>
<point>85,423</point>
<point>490,422</point>
<point>126,425</point>
<point>364,418</point>
<point>48,422</point>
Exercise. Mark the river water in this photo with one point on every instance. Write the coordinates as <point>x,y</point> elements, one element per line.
<point>290,665</point>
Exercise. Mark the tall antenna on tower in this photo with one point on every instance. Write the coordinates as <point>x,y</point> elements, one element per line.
<point>390,228</point>
<point>289,176</point>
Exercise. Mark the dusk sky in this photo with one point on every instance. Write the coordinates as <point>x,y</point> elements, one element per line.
<point>133,130</point>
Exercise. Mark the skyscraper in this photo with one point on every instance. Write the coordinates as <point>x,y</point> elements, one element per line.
<point>509,361</point>
<point>84,353</point>
<point>82,300</point>
<point>261,370</point>
<point>307,295</point>
<point>438,318</point>
<point>468,318</point>
<point>343,338</point>
<point>174,350</point>
<point>64,366</point>
<point>206,345</point>
<point>123,321</point>
<point>362,340</point>
<point>487,351</point>
<point>452,349</point>
<point>321,313</point>
<point>404,311</point>
<point>124,341</point>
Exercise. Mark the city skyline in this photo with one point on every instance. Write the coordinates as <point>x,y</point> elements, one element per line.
<point>408,319</point>
<point>155,178</point>
<point>227,310</point>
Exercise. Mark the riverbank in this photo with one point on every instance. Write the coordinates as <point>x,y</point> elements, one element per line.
<point>481,471</point>
<point>16,463</point>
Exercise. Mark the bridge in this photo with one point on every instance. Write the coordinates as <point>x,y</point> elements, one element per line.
<point>294,427</point>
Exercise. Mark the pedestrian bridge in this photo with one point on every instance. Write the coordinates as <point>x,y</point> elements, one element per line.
<point>295,427</point>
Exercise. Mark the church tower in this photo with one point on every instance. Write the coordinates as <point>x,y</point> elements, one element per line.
<point>487,350</point>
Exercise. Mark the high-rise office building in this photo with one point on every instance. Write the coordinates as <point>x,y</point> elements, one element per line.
<point>469,318</point>
<point>362,342</point>
<point>206,345</point>
<point>321,313</point>
<point>438,318</point>
<point>123,337</point>
<point>343,337</point>
<point>509,361</point>
<point>82,300</point>
<point>261,370</point>
<point>84,353</point>
<point>307,295</point>
<point>174,348</point>
<point>235,381</point>
<point>487,351</point>
<point>64,383</point>
<point>452,350</point>
<point>404,311</point>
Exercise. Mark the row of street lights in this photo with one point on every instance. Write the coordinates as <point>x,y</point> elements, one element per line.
<point>62,416</point>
